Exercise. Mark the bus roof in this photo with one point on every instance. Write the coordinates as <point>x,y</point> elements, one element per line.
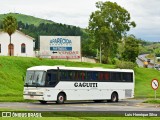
<point>45,68</point>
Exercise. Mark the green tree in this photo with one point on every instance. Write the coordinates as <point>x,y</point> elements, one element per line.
<point>87,49</point>
<point>131,48</point>
<point>9,26</point>
<point>157,52</point>
<point>107,25</point>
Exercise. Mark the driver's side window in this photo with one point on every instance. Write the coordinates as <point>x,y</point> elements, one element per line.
<point>51,78</point>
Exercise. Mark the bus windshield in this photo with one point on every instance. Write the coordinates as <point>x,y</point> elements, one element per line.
<point>35,78</point>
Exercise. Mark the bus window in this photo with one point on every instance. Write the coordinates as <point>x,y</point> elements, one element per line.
<point>116,76</point>
<point>51,78</point>
<point>63,75</point>
<point>70,75</point>
<point>127,77</point>
<point>83,75</point>
<point>106,76</point>
<point>89,74</point>
<point>113,76</point>
<point>79,75</point>
<point>100,76</point>
<point>73,75</point>
<point>94,75</point>
<point>76,75</point>
<point>35,78</point>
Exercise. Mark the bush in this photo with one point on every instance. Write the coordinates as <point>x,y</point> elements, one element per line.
<point>125,65</point>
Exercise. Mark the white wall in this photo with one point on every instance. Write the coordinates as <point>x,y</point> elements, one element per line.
<point>17,39</point>
<point>84,59</point>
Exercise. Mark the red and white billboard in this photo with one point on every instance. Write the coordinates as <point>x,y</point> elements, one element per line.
<point>60,47</point>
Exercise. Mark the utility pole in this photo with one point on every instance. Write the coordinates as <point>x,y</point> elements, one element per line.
<point>154,60</point>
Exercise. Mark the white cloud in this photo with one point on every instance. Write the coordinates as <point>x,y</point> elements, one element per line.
<point>76,12</point>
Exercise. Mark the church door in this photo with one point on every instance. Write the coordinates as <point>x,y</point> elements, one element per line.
<point>10,49</point>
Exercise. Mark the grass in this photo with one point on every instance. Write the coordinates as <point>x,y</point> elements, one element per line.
<point>13,68</point>
<point>153,101</point>
<point>143,87</point>
<point>13,98</point>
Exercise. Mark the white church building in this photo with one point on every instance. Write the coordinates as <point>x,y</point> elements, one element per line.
<point>21,44</point>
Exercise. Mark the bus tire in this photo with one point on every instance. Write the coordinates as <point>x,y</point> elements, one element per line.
<point>114,97</point>
<point>42,102</point>
<point>60,98</point>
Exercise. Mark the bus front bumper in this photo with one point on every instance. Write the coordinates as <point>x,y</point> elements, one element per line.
<point>33,97</point>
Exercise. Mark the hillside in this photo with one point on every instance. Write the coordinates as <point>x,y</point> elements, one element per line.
<point>26,19</point>
<point>13,68</point>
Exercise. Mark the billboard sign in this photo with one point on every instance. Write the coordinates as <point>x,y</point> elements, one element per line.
<point>60,44</point>
<point>60,47</point>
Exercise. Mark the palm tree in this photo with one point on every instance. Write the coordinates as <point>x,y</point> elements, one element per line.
<point>9,26</point>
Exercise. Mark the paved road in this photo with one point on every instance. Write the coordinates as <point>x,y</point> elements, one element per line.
<point>141,59</point>
<point>125,105</point>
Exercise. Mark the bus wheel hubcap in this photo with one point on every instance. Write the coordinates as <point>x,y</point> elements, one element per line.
<point>61,98</point>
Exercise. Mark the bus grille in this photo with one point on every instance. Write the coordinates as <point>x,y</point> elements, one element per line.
<point>32,93</point>
<point>128,93</point>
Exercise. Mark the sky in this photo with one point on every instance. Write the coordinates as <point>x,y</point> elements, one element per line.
<point>145,13</point>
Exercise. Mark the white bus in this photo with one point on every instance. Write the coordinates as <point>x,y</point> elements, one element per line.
<point>60,83</point>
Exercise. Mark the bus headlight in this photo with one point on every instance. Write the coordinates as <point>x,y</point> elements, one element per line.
<point>25,92</point>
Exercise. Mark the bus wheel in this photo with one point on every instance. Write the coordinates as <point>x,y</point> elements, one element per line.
<point>114,97</point>
<point>60,98</point>
<point>43,102</point>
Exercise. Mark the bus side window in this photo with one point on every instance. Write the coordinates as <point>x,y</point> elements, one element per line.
<point>119,76</point>
<point>83,75</point>
<point>101,76</point>
<point>116,77</point>
<point>73,74</point>
<point>63,76</point>
<point>113,77</point>
<point>106,76</point>
<point>51,78</point>
<point>76,75</point>
<point>94,75</point>
<point>79,77</point>
<point>70,74</point>
<point>89,75</point>
<point>127,77</point>
<point>66,75</point>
